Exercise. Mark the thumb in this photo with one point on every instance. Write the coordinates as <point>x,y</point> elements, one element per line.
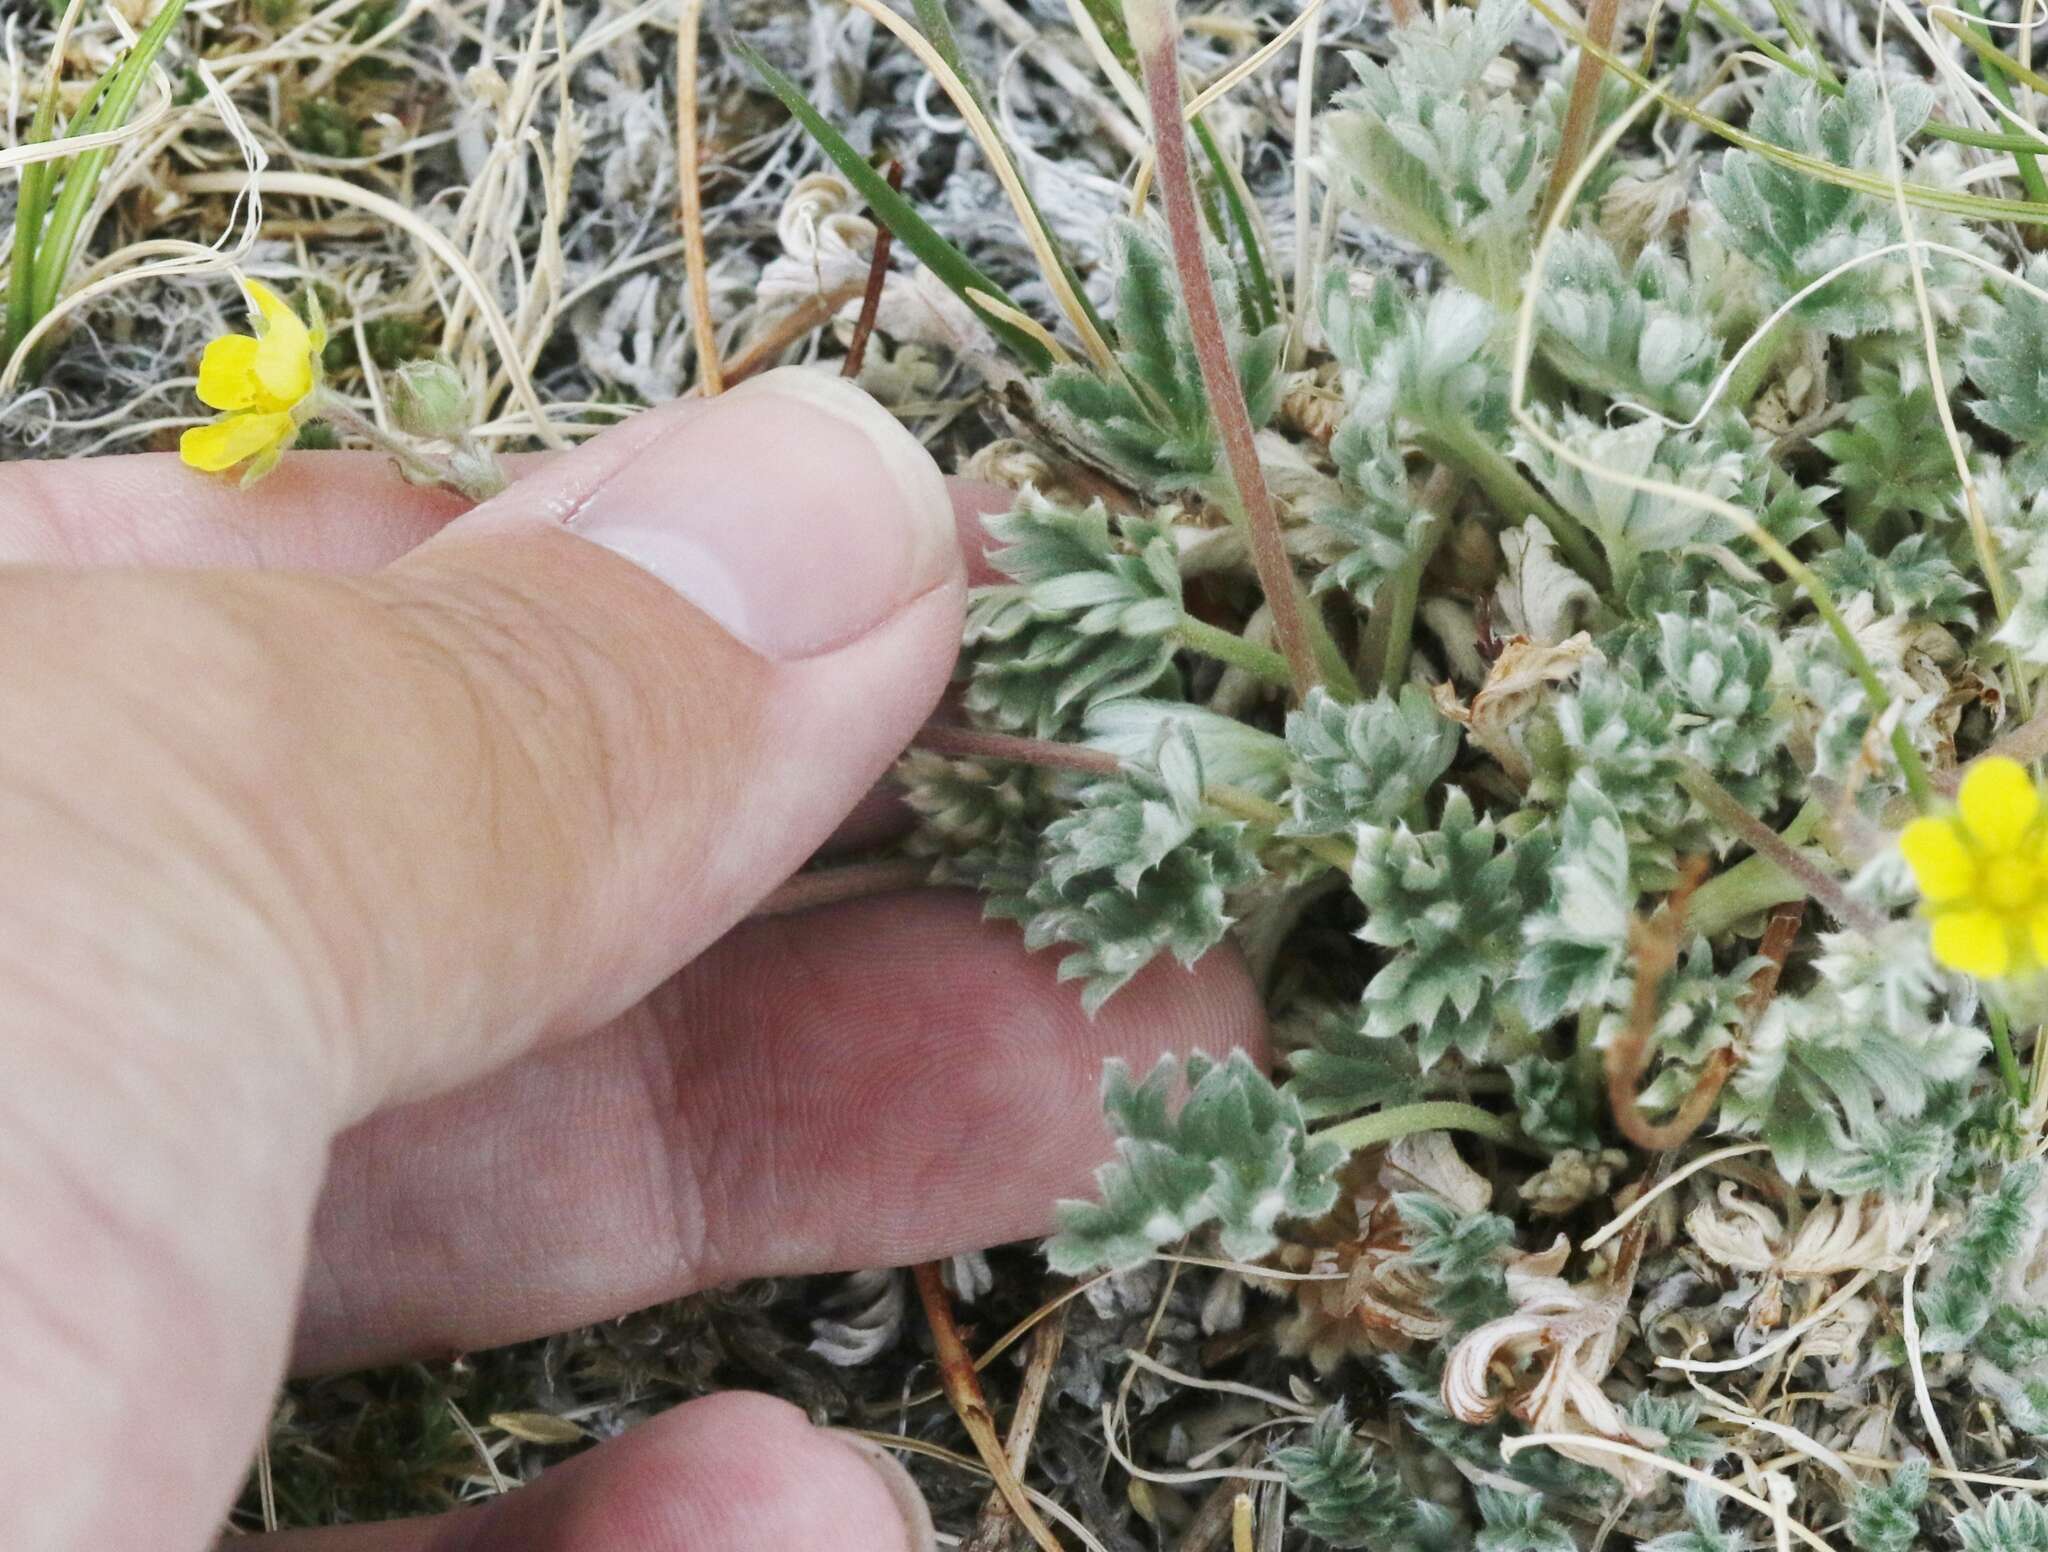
<point>500,790</point>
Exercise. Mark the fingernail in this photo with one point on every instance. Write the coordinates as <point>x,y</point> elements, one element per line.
<point>794,510</point>
<point>920,1535</point>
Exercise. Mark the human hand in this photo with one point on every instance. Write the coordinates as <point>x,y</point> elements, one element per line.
<point>387,843</point>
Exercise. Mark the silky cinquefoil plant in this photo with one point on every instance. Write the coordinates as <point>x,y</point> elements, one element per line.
<point>1588,659</point>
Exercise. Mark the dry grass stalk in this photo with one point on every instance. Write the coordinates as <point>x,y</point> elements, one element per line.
<point>690,196</point>
<point>994,1531</point>
<point>962,1386</point>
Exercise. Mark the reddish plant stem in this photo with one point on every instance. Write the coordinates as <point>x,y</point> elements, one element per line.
<point>1779,935</point>
<point>974,744</point>
<point>871,300</point>
<point>834,886</point>
<point>1655,944</point>
<point>1723,805</point>
<point>1585,100</point>
<point>962,1385</point>
<point>1155,30</point>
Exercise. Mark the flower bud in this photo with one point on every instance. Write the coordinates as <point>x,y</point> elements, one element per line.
<point>429,399</point>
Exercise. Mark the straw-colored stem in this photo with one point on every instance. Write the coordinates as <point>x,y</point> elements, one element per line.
<point>690,199</point>
<point>1304,143</point>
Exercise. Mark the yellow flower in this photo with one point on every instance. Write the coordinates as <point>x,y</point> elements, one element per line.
<point>261,384</point>
<point>1983,873</point>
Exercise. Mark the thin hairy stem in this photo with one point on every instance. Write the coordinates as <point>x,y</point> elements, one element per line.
<point>1383,654</point>
<point>834,886</point>
<point>1514,498</point>
<point>964,743</point>
<point>421,468</point>
<point>1154,31</point>
<point>1434,1115</point>
<point>1718,801</point>
<point>1227,647</point>
<point>977,744</point>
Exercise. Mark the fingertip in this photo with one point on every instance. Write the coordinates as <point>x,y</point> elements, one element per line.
<point>794,512</point>
<point>735,1471</point>
<point>746,1472</point>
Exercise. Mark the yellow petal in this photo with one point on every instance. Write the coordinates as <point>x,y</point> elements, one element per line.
<point>1941,862</point>
<point>1973,942</point>
<point>227,373</point>
<point>2037,934</point>
<point>232,438</point>
<point>1998,802</point>
<point>283,362</point>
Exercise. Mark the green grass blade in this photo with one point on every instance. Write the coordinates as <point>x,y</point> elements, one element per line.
<point>123,84</point>
<point>1994,79</point>
<point>1109,21</point>
<point>32,205</point>
<point>958,272</point>
<point>937,26</point>
<point>1816,71</point>
<point>1264,311</point>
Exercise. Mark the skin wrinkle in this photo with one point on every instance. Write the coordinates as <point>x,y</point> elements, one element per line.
<point>484,761</point>
<point>168,1269</point>
<point>726,1166</point>
<point>289,880</point>
<point>23,1291</point>
<point>615,714</point>
<point>678,1201</point>
<point>565,669</point>
<point>158,1261</point>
